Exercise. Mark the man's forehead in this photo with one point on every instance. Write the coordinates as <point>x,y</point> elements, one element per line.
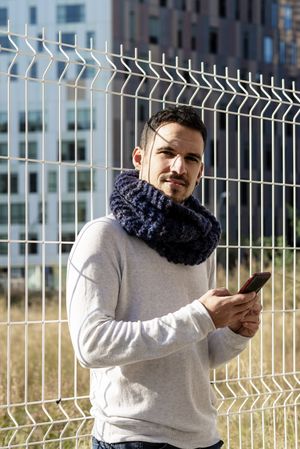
<point>178,135</point>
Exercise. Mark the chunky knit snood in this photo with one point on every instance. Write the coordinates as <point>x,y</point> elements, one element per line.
<point>184,233</point>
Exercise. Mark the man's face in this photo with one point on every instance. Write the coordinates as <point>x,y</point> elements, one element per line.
<point>172,161</point>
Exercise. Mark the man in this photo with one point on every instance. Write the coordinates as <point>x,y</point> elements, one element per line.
<point>141,311</point>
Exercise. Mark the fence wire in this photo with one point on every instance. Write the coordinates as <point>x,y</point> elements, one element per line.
<point>69,118</point>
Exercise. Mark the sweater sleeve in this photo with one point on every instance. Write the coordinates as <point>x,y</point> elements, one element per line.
<point>223,344</point>
<point>93,282</point>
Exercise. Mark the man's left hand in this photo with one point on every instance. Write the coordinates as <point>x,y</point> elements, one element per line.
<point>249,324</point>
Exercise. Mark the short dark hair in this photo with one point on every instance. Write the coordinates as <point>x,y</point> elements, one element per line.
<point>184,115</point>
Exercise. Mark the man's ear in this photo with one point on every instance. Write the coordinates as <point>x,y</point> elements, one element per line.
<point>200,173</point>
<point>137,158</point>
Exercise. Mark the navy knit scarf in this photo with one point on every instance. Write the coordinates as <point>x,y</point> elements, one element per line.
<point>184,233</point>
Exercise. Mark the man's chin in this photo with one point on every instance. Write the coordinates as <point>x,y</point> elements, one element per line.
<point>178,197</point>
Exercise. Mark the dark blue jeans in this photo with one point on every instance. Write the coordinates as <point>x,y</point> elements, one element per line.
<point>142,445</point>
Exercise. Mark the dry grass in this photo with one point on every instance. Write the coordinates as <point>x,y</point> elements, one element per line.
<point>259,405</point>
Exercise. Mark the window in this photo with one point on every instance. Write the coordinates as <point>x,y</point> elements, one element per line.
<point>197,6</point>
<point>52,181</point>
<point>3,245</point>
<point>14,183</point>
<point>90,35</point>
<point>246,45</point>
<point>268,157</point>
<point>3,152</point>
<point>274,15</point>
<point>32,247</point>
<point>60,67</point>
<point>179,35</point>
<point>250,10</point>
<point>4,183</point>
<point>83,119</point>
<point>263,12</point>
<point>213,41</point>
<point>142,112</point>
<point>194,37</point>
<point>223,118</point>
<point>268,49</point>
<point>68,150</point>
<point>66,38</point>
<point>43,209</point>
<point>89,69</point>
<point>83,181</point>
<point>13,71</point>
<point>245,155</point>
<point>40,47</point>
<point>282,52</point>
<point>3,122</point>
<point>17,213</point>
<point>3,16</point>
<point>3,213</point>
<point>293,54</point>
<point>32,15</point>
<point>67,237</point>
<point>31,148</point>
<point>237,10</point>
<point>68,211</point>
<point>132,26</point>
<point>222,8</point>
<point>244,193</point>
<point>34,121</point>
<point>33,182</point>
<point>5,43</point>
<point>287,17</point>
<point>70,13</point>
<point>33,70</point>
<point>211,154</point>
<point>153,30</point>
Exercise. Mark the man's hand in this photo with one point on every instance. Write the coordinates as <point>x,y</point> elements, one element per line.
<point>249,325</point>
<point>230,310</point>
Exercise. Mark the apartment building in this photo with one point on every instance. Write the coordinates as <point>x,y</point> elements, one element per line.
<point>44,130</point>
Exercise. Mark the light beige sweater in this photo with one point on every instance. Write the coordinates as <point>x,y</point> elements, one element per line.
<point>136,321</point>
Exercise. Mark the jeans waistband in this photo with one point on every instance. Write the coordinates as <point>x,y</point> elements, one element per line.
<point>96,444</point>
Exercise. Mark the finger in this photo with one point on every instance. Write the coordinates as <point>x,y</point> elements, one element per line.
<point>244,307</point>
<point>254,319</point>
<point>251,327</point>
<point>257,308</point>
<point>250,322</point>
<point>244,298</point>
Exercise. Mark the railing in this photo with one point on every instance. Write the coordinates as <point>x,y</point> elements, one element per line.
<point>69,119</point>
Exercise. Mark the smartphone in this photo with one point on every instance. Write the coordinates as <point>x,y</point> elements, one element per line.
<point>255,282</point>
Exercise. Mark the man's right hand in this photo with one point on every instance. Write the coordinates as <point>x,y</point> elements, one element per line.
<point>225,308</point>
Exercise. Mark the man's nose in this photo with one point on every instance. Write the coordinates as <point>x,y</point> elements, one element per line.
<point>178,165</point>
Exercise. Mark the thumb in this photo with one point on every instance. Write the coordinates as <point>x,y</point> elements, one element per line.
<point>222,291</point>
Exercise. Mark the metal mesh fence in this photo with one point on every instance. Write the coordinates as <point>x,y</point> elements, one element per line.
<point>69,118</point>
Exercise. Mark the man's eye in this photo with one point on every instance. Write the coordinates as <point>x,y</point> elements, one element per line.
<point>192,159</point>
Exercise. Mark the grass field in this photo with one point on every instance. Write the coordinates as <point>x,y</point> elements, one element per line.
<point>258,393</point>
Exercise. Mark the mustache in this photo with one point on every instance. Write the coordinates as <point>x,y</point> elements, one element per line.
<point>175,178</point>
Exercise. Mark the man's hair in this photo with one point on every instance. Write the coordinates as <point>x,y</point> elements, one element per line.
<point>184,115</point>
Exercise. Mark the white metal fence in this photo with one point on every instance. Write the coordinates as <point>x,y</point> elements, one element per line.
<point>69,117</point>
